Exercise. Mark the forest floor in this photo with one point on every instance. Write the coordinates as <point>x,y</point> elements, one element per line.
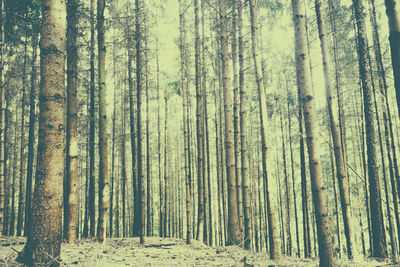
<point>158,252</point>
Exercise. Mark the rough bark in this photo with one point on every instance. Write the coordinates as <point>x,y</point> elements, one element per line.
<point>44,241</point>
<point>379,248</point>
<point>103,166</point>
<point>71,171</point>
<point>306,97</point>
<point>233,237</point>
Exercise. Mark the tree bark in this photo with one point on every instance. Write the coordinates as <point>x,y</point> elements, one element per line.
<point>379,248</point>
<point>71,171</point>
<point>243,145</point>
<point>103,167</point>
<point>336,137</point>
<point>44,241</point>
<point>233,223</point>
<point>304,84</point>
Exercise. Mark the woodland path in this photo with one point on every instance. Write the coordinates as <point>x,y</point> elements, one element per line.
<point>156,252</point>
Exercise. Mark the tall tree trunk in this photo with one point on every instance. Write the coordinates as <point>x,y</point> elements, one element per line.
<point>31,137</point>
<point>236,119</point>
<point>304,84</point>
<point>71,171</point>
<point>335,132</point>
<point>160,178</point>
<point>92,192</point>
<point>103,167</point>
<point>287,193</point>
<point>379,249</point>
<point>44,240</point>
<point>2,104</point>
<point>21,201</point>
<point>233,223</point>
<point>293,175</point>
<point>139,88</point>
<point>273,247</point>
<point>148,167</point>
<point>243,145</point>
<point>199,128</point>
<point>184,76</point>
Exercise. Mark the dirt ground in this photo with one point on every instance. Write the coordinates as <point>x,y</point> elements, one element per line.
<point>158,252</point>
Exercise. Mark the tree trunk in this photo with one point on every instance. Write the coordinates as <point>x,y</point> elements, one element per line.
<point>304,84</point>
<point>31,137</point>
<point>243,145</point>
<point>335,132</point>
<point>44,241</point>
<point>184,75</point>
<point>139,88</point>
<point>273,247</point>
<point>199,128</point>
<point>233,223</point>
<point>71,171</point>
<point>21,201</point>
<point>103,167</point>
<point>92,197</point>
<point>379,249</point>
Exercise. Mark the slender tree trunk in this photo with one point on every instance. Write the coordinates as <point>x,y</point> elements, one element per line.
<point>233,223</point>
<point>184,75</point>
<point>103,167</point>
<point>273,248</point>
<point>287,193</point>
<point>379,249</point>
<point>2,108</point>
<point>44,241</point>
<point>148,167</point>
<point>139,87</point>
<point>92,207</point>
<point>160,178</point>
<point>123,168</point>
<point>21,201</point>
<point>335,132</point>
<point>236,132</point>
<point>304,84</point>
<point>15,159</point>
<point>293,175</point>
<point>199,128</point>
<point>243,145</point>
<point>71,175</point>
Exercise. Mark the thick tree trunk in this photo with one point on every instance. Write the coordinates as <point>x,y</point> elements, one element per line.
<point>273,247</point>
<point>71,171</point>
<point>304,84</point>
<point>379,248</point>
<point>44,241</point>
